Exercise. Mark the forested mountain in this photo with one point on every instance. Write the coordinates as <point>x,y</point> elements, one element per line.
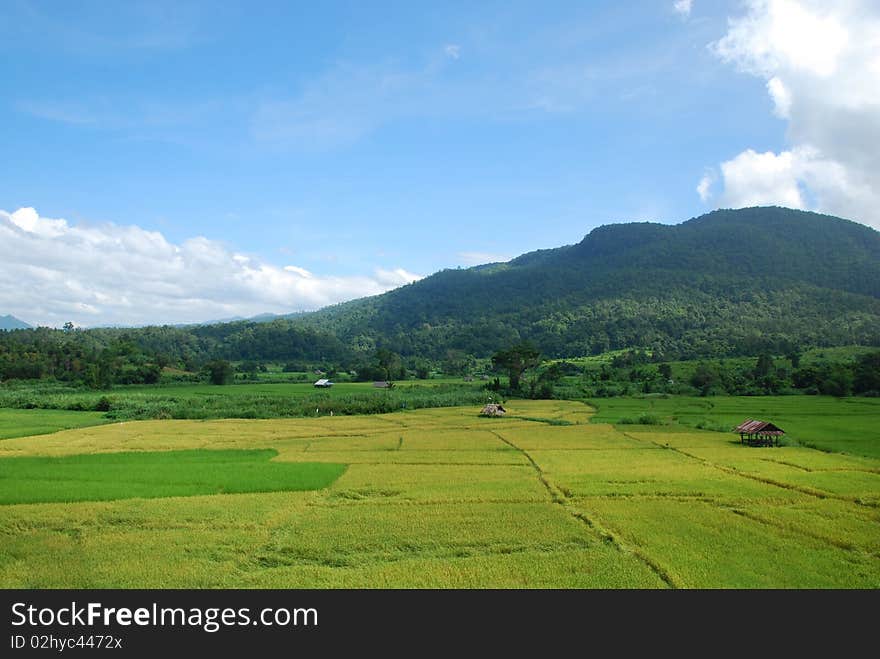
<point>729,282</point>
<point>732,282</point>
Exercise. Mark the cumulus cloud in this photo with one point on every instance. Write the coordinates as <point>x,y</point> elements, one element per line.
<point>822,70</point>
<point>52,272</point>
<point>790,35</point>
<point>683,7</point>
<point>757,179</point>
<point>452,50</point>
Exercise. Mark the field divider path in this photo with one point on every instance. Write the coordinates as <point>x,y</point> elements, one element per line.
<point>864,470</point>
<point>819,494</point>
<point>559,497</point>
<point>846,546</point>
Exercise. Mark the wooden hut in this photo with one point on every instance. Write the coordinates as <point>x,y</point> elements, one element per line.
<point>759,433</point>
<point>493,409</point>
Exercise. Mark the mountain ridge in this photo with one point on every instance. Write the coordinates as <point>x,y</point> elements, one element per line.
<point>772,265</point>
<point>744,282</point>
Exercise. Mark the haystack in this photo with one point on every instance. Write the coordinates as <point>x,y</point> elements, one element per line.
<point>493,409</point>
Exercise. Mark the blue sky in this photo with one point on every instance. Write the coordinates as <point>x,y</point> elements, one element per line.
<point>367,143</point>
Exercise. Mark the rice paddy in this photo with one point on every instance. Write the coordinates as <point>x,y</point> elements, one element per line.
<point>436,498</point>
<point>850,425</point>
<point>108,476</point>
<point>20,423</point>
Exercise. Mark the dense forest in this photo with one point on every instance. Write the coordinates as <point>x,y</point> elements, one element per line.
<point>730,283</point>
<point>98,357</point>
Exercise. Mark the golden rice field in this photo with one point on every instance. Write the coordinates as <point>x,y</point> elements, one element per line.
<point>440,498</point>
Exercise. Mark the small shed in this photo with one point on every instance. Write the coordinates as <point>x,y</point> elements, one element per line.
<point>760,433</point>
<point>323,383</point>
<point>493,409</point>
<point>383,384</point>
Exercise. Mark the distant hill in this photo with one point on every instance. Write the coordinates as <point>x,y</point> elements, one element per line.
<point>732,282</point>
<point>259,318</point>
<point>728,282</point>
<point>12,323</point>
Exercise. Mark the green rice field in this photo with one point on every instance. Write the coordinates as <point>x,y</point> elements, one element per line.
<point>19,423</point>
<point>108,476</point>
<point>551,496</point>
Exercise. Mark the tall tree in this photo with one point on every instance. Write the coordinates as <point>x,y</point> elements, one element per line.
<point>389,363</point>
<point>516,360</point>
<point>219,371</point>
<point>763,366</point>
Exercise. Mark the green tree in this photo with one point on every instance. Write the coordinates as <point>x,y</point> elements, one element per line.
<point>867,373</point>
<point>219,371</point>
<point>836,380</point>
<point>706,378</point>
<point>422,368</point>
<point>250,369</point>
<point>665,371</point>
<point>764,366</point>
<point>389,363</point>
<point>516,361</point>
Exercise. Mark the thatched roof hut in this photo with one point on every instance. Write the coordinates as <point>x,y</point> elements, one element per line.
<point>759,432</point>
<point>493,409</point>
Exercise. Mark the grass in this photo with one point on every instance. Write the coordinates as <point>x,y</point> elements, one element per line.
<point>440,497</point>
<point>846,425</point>
<point>109,476</point>
<point>20,423</point>
<point>242,401</point>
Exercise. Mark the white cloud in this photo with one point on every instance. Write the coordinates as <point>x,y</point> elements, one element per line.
<point>452,50</point>
<point>796,35</point>
<point>28,220</point>
<point>822,70</point>
<point>683,7</point>
<point>704,187</point>
<point>781,97</point>
<point>396,277</point>
<point>302,272</point>
<point>757,179</point>
<point>52,271</point>
<point>479,258</point>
